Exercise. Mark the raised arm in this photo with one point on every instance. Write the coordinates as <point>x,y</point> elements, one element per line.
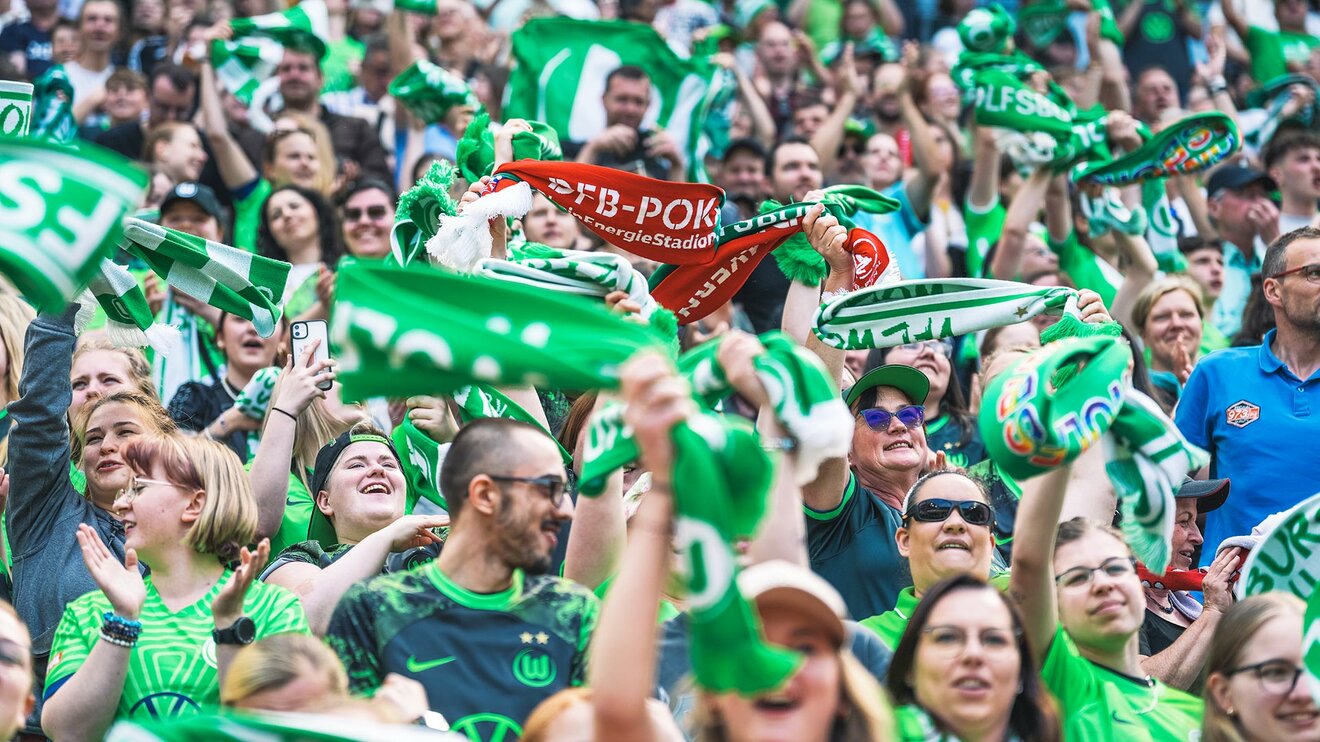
<point>1033,556</point>
<point>829,136</point>
<point>1139,270</point>
<point>599,531</point>
<point>1235,20</point>
<point>983,191</point>
<point>235,169</point>
<point>925,153</point>
<point>1007,260</point>
<point>763,124</point>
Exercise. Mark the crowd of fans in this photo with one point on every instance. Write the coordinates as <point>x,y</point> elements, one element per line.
<point>169,552</point>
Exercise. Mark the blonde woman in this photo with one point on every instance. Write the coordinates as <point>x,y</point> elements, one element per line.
<point>139,647</point>
<point>1169,314</point>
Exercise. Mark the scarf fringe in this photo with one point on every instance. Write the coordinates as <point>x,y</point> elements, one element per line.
<point>799,262</point>
<point>159,336</point>
<point>463,240</point>
<point>86,310</point>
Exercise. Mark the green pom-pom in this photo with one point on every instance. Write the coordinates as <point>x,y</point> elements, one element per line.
<point>1071,326</point>
<point>664,322</point>
<point>476,150</point>
<point>799,262</point>
<point>428,199</point>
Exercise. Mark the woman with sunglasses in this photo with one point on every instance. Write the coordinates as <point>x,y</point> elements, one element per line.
<point>1256,688</point>
<point>366,210</point>
<point>946,532</point>
<point>963,668</point>
<point>1083,605</point>
<point>950,427</point>
<point>361,495</point>
<point>139,647</point>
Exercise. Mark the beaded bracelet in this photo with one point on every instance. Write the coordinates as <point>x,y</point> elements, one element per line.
<point>118,642</point>
<point>120,627</point>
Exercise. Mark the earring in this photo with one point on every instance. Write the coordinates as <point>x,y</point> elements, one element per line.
<point>1230,712</point>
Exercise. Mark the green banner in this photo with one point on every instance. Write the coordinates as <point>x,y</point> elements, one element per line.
<point>1288,555</point>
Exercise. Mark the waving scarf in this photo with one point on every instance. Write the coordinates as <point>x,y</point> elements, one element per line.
<point>419,211</point>
<point>1187,146</point>
<point>129,322</point>
<point>476,150</point>
<point>429,91</point>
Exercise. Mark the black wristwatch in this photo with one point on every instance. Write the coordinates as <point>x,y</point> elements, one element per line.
<point>242,632</point>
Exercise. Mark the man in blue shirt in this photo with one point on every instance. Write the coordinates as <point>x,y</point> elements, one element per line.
<point>1257,409</point>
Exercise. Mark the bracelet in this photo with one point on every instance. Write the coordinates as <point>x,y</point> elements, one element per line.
<point>119,628</point>
<point>286,413</point>
<point>125,643</point>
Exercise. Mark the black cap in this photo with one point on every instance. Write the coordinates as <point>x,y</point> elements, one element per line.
<point>1209,493</point>
<point>197,193</point>
<point>1237,177</point>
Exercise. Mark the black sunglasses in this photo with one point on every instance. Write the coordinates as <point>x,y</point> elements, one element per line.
<point>551,486</point>
<point>938,510</point>
<point>374,213</point>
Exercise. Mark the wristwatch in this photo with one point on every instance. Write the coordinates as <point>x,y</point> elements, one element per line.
<point>242,632</point>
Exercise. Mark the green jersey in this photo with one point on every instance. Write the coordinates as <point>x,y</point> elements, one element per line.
<point>172,669</point>
<point>485,660</point>
<point>1272,51</point>
<point>983,228</point>
<point>890,625</point>
<point>247,215</point>
<point>298,507</point>
<point>1099,704</point>
<point>1086,269</point>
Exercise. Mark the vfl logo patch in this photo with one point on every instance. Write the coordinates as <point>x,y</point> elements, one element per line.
<point>1242,413</point>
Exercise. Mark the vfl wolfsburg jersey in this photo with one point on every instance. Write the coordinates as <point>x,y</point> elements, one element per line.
<point>485,660</point>
<point>172,670</point>
<point>983,228</point>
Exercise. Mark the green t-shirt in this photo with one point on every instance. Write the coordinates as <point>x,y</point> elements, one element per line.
<point>890,625</point>
<point>298,507</point>
<point>983,229</point>
<point>172,670</point>
<point>485,660</point>
<point>1099,704</point>
<point>247,215</point>
<point>1272,51</point>
<point>1086,269</point>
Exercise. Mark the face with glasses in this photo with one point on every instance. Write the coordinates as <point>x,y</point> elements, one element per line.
<point>1100,599</point>
<point>156,511</point>
<point>365,492</point>
<point>946,531</point>
<point>1266,690</point>
<point>967,664</point>
<point>1294,292</point>
<point>930,357</point>
<point>533,506</point>
<point>888,437</point>
<point>367,217</point>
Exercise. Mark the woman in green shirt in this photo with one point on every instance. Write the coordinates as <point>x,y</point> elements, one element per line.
<point>142,647</point>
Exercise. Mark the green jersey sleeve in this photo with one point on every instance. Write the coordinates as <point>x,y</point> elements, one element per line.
<point>77,633</point>
<point>298,506</point>
<point>983,228</point>
<point>275,610</point>
<point>1086,269</point>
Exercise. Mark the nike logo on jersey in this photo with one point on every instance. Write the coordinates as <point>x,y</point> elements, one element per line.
<point>422,666</point>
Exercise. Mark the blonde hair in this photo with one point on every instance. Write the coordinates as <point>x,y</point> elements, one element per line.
<point>229,514</point>
<point>1157,290</point>
<point>139,368</point>
<point>1236,629</point>
<point>148,407</point>
<point>15,314</point>
<point>314,427</point>
<point>277,661</point>
<point>325,150</point>
<point>866,714</point>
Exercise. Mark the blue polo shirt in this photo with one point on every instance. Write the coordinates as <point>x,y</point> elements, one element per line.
<point>1262,426</point>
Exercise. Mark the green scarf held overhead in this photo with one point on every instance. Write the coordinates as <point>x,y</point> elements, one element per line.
<point>1274,96</point>
<point>129,322</point>
<point>420,457</point>
<point>1043,22</point>
<point>1187,146</point>
<point>476,150</point>
<point>930,309</point>
<point>60,215</point>
<point>249,58</point>
<point>398,332</point>
<point>481,401</point>
<point>430,91</point>
<point>1106,211</point>
<point>1162,227</point>
<point>417,216</point>
<point>52,107</point>
<point>796,258</point>
<point>971,63</point>
<point>1032,422</point>
<point>1147,459</point>
<point>242,65</point>
<point>610,446</point>
<point>987,30</point>
<point>231,280</point>
<point>1004,101</point>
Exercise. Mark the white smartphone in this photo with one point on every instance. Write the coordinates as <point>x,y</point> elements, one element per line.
<point>304,332</point>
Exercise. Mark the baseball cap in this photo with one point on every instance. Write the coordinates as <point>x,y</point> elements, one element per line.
<point>1237,177</point>
<point>197,193</point>
<point>319,527</point>
<point>906,379</point>
<point>1209,493</point>
<point>784,584</point>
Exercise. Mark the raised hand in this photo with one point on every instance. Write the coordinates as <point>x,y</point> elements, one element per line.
<point>1218,584</point>
<point>299,387</point>
<point>121,583</point>
<point>827,237</point>
<point>412,531</point>
<point>431,415</point>
<point>736,352</point>
<point>228,604</point>
<point>1091,308</point>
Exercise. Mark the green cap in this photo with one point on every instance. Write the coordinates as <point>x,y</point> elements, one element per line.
<point>911,382</point>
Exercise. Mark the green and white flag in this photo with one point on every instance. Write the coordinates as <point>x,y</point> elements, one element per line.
<point>60,214</point>
<point>231,280</point>
<point>1286,558</point>
<point>241,66</point>
<point>129,322</point>
<point>559,78</point>
<point>251,56</point>
<point>886,315</point>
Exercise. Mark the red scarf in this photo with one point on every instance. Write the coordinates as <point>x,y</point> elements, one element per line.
<point>659,220</point>
<point>1183,580</point>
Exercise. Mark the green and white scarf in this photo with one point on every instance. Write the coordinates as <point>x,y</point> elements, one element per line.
<point>254,399</point>
<point>52,107</point>
<point>476,150</point>
<point>930,309</point>
<point>398,332</point>
<point>1004,101</point>
<point>129,322</point>
<point>1147,459</point>
<point>482,401</point>
<point>250,57</point>
<point>231,280</point>
<point>243,65</point>
<point>1276,94</point>
<point>60,215</point>
<point>429,91</point>
<point>1187,146</point>
<point>1106,211</point>
<point>418,214</point>
<point>420,457</point>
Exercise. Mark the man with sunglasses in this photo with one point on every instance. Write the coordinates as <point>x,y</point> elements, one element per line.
<point>1254,409</point>
<point>946,531</point>
<point>482,628</point>
<point>855,507</point>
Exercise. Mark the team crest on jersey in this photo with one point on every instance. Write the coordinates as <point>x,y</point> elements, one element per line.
<point>165,706</point>
<point>208,653</point>
<point>1242,413</point>
<point>534,668</point>
<point>487,728</point>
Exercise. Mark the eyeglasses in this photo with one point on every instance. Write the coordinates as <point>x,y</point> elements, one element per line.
<point>551,486</point>
<point>1277,677</point>
<point>911,416</point>
<point>938,347</point>
<point>953,640</point>
<point>1079,576</point>
<point>1310,272</point>
<point>374,213</point>
<point>938,510</point>
<point>134,490</point>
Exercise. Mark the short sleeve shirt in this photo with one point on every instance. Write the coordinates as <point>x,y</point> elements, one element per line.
<point>1272,51</point>
<point>172,669</point>
<point>853,548</point>
<point>1086,269</point>
<point>1099,704</point>
<point>896,230</point>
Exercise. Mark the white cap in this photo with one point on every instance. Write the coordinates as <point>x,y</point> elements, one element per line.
<point>782,583</point>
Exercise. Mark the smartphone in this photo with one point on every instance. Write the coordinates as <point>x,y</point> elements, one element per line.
<point>304,333</point>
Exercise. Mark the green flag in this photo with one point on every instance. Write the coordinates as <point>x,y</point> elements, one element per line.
<point>251,56</point>
<point>242,65</point>
<point>559,78</point>
<point>60,213</point>
<point>429,91</point>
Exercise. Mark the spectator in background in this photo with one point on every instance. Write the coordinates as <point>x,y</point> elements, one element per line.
<point>370,99</point>
<point>1238,203</point>
<point>100,25</point>
<point>366,211</point>
<point>743,179</point>
<point>1275,53</point>
<point>125,102</point>
<point>624,144</point>
<point>28,44</point>
<point>150,44</point>
<point>1156,33</point>
<point>176,149</point>
<point>1156,92</point>
<point>547,224</point>
<point>170,93</point>
<point>1292,159</point>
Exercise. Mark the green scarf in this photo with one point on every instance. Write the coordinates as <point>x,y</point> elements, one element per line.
<point>1187,146</point>
<point>1032,421</point>
<point>254,399</point>
<point>398,332</point>
<point>231,280</point>
<point>429,91</point>
<point>1161,226</point>
<point>418,214</point>
<point>242,65</point>
<point>1147,460</point>
<point>1043,22</point>
<point>420,457</point>
<point>478,401</point>
<point>15,109</point>
<point>1004,101</point>
<point>60,213</point>
<point>972,63</point>
<point>1106,211</point>
<point>1276,94</point>
<point>929,309</point>
<point>129,322</point>
<point>476,150</point>
<point>52,108</point>
<point>799,261</point>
